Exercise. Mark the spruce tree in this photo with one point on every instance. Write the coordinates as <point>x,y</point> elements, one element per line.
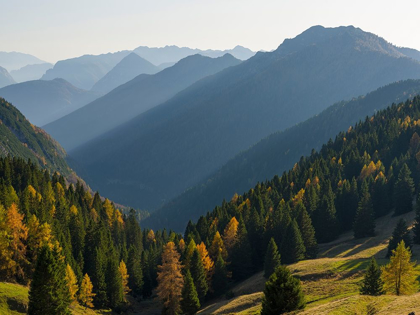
<point>403,191</point>
<point>400,233</point>
<point>364,223</point>
<point>114,285</point>
<point>272,259</point>
<point>190,302</point>
<point>416,228</point>
<point>308,234</point>
<point>293,248</point>
<point>198,274</point>
<point>283,293</point>
<point>134,268</point>
<point>49,293</point>
<point>372,283</point>
<point>241,264</point>
<point>325,219</point>
<point>220,280</point>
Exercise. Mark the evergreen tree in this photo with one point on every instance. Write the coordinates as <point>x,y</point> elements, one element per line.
<point>220,279</point>
<point>308,234</point>
<point>272,259</point>
<point>293,248</point>
<point>49,293</point>
<point>403,191</point>
<point>283,293</point>
<point>190,304</point>
<point>114,286</point>
<point>134,268</point>
<point>364,223</point>
<point>241,264</point>
<point>400,233</point>
<point>416,228</point>
<point>400,276</point>
<point>199,275</point>
<point>372,282</point>
<point>325,219</point>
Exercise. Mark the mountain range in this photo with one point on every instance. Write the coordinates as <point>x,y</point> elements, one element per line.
<point>182,141</point>
<point>16,60</point>
<point>83,72</point>
<point>30,72</point>
<point>172,54</point>
<point>133,98</point>
<point>5,78</point>
<point>43,101</point>
<point>127,69</point>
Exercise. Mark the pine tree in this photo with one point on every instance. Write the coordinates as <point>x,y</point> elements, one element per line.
<point>220,279</point>
<point>122,268</point>
<point>49,294</point>
<point>71,283</point>
<point>399,275</point>
<point>190,304</point>
<point>283,293</point>
<point>86,294</point>
<point>134,268</point>
<point>293,248</point>
<point>400,233</point>
<point>308,234</point>
<point>170,280</point>
<point>199,275</point>
<point>114,287</point>
<point>272,259</point>
<point>364,223</point>
<point>403,191</point>
<point>372,282</point>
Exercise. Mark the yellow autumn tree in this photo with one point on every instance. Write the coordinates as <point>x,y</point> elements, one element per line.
<point>85,294</point>
<point>170,279</point>
<point>18,234</point>
<point>151,237</point>
<point>217,246</point>
<point>38,236</point>
<point>71,283</point>
<point>206,260</point>
<point>229,234</point>
<point>6,254</point>
<point>124,277</point>
<point>399,276</point>
<point>181,245</point>
<point>109,211</point>
<point>189,253</point>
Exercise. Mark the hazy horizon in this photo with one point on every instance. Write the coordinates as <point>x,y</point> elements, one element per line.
<point>54,31</point>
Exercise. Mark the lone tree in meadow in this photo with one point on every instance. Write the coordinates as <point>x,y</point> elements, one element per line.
<point>400,276</point>
<point>372,282</point>
<point>283,293</point>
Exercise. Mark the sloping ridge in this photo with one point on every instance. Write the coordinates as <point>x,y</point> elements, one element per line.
<point>181,142</point>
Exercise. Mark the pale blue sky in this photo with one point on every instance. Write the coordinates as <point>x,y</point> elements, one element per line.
<point>59,29</point>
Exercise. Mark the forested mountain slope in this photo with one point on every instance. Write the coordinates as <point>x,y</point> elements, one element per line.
<point>19,138</point>
<point>44,101</point>
<point>179,143</point>
<point>275,154</point>
<point>84,71</point>
<point>133,98</point>
<point>126,70</point>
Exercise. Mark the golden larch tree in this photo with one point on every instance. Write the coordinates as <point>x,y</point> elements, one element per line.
<point>217,246</point>
<point>71,283</point>
<point>18,233</point>
<point>85,294</point>
<point>170,280</point>
<point>229,234</point>
<point>124,277</point>
<point>206,260</point>
<point>399,276</point>
<point>6,254</point>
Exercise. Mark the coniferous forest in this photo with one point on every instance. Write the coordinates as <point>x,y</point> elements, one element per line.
<point>83,248</point>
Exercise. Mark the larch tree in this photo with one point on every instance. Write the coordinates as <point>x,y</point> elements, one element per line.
<point>170,280</point>
<point>49,293</point>
<point>400,276</point>
<point>86,294</point>
<point>217,246</point>
<point>122,268</point>
<point>6,253</point>
<point>229,234</point>
<point>71,283</point>
<point>208,264</point>
<point>272,259</point>
<point>372,282</point>
<point>283,293</point>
